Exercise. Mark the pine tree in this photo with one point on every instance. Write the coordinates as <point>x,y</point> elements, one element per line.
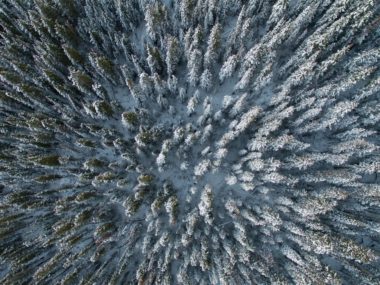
<point>214,46</point>
<point>194,66</point>
<point>172,55</point>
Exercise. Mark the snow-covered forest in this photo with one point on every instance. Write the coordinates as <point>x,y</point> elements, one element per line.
<point>189,142</point>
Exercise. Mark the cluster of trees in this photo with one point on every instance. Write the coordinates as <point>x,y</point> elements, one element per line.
<point>189,142</point>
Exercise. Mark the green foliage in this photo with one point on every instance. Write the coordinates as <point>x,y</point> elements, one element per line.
<point>121,183</point>
<point>87,175</point>
<point>47,178</point>
<point>215,38</point>
<point>31,91</point>
<point>6,219</point>
<point>142,191</point>
<point>132,205</point>
<point>58,54</point>
<point>43,140</point>
<point>104,228</point>
<point>20,197</point>
<point>53,77</point>
<point>173,54</point>
<point>63,228</point>
<point>105,65</point>
<point>47,267</point>
<point>68,33</point>
<point>158,14</point>
<point>50,160</point>
<point>105,177</point>
<point>85,196</point>
<point>82,79</point>
<point>146,179</point>
<point>157,204</point>
<point>74,55</point>
<point>4,98</point>
<point>103,108</point>
<point>73,239</point>
<point>172,208</point>
<point>69,6</point>
<point>198,36</point>
<point>10,77</point>
<point>83,217</point>
<point>131,118</point>
<point>155,59</point>
<point>70,278</point>
<point>48,10</point>
<point>96,38</point>
<point>146,137</point>
<point>24,67</point>
<point>5,157</point>
<point>86,143</point>
<point>94,163</point>
<point>35,123</point>
<point>28,256</point>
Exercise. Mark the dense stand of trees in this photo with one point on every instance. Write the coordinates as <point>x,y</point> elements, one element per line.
<point>189,142</point>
